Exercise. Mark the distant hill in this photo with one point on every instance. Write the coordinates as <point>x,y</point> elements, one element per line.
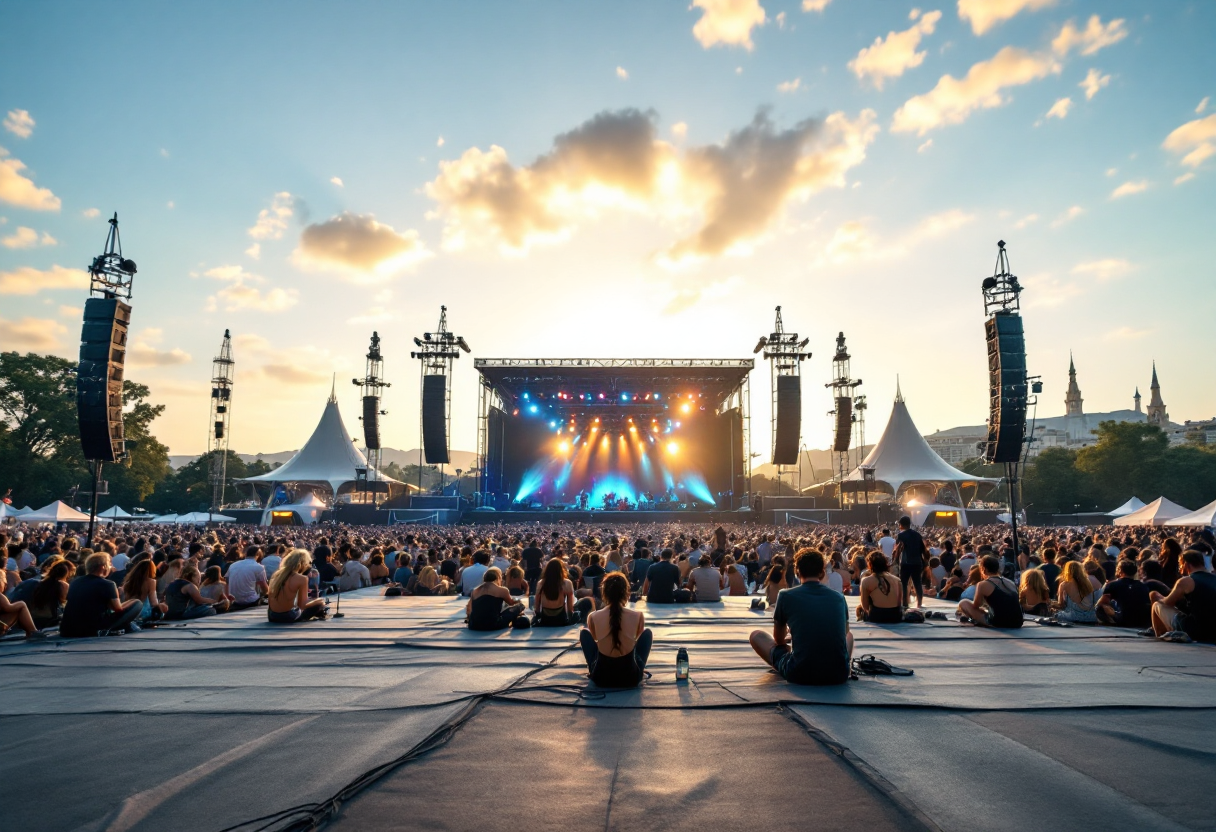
<point>463,460</point>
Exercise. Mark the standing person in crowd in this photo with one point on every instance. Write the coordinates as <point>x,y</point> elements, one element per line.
<point>818,621</point>
<point>615,642</point>
<point>287,596</point>
<point>93,607</point>
<point>910,551</point>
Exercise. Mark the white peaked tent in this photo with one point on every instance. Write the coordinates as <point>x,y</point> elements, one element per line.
<point>115,513</point>
<point>56,512</point>
<point>165,518</point>
<point>1134,504</point>
<point>329,456</point>
<point>1155,513</point>
<point>902,457</point>
<point>7,511</point>
<point>1205,516</point>
<point>203,517</point>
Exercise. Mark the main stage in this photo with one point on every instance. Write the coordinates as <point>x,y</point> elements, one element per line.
<point>396,716</point>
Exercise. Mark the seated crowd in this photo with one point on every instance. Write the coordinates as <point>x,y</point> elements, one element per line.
<point>516,577</point>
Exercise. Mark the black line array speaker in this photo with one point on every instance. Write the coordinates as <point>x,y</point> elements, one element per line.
<point>103,351</point>
<point>435,419</point>
<point>844,424</point>
<point>789,420</point>
<point>371,422</point>
<point>1007,388</point>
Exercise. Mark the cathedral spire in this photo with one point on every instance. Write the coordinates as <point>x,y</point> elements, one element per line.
<point>1136,398</point>
<point>1156,406</point>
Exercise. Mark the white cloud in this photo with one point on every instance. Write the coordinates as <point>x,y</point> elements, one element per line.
<point>1105,269</point>
<point>780,20</point>
<point>21,191</point>
<point>1060,108</point>
<point>789,86</point>
<point>1195,141</point>
<point>254,251</point>
<point>1089,40</point>
<point>1126,333</point>
<point>32,334</point>
<point>337,180</point>
<point>1029,219</point>
<point>141,352</point>
<point>20,123</point>
<point>815,5</point>
<point>1094,81</point>
<point>1112,171</point>
<point>358,247</point>
<point>1129,188</point>
<point>953,100</point>
<point>91,213</point>
<point>1068,216</point>
<point>985,14</point>
<point>1046,291</point>
<point>733,191</point>
<point>24,237</point>
<point>1186,177</point>
<point>238,296</point>
<point>686,297</point>
<point>1201,106</point>
<point>894,55</point>
<point>727,22</point>
<point>679,131</point>
<point>233,274</point>
<point>164,153</point>
<point>439,142</point>
<point>26,280</point>
<point>169,205</point>
<point>925,145</point>
<point>272,221</point>
<point>622,73</point>
<point>71,311</point>
<point>854,241</point>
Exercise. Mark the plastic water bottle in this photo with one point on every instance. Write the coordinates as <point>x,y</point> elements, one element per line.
<point>682,665</point>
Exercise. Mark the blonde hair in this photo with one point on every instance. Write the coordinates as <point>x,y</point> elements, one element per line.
<point>1074,572</point>
<point>1033,581</point>
<point>297,562</point>
<point>95,562</point>
<point>189,572</point>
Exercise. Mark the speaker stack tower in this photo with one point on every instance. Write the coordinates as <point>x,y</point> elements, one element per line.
<point>371,386</point>
<point>785,355</point>
<point>103,353</point>
<point>437,351</point>
<point>845,413</point>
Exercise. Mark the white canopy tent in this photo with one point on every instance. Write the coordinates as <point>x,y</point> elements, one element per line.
<point>115,513</point>
<point>164,518</point>
<point>308,510</point>
<point>1134,504</point>
<point>56,512</point>
<point>329,457</point>
<point>902,458</point>
<point>7,511</point>
<point>1205,516</point>
<point>1155,513</point>
<point>196,517</point>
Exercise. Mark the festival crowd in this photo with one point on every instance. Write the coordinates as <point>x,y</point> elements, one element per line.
<point>1158,582</point>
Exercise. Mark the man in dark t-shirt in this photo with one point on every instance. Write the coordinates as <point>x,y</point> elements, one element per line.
<point>640,567</point>
<point>663,581</point>
<point>817,618</point>
<point>531,558</point>
<point>1125,601</point>
<point>93,606</point>
<point>910,552</point>
<point>1051,571</point>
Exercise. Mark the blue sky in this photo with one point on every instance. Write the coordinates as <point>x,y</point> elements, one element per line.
<point>712,168</point>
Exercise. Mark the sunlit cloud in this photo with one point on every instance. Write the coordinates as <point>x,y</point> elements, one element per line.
<point>815,5</point>
<point>1195,141</point>
<point>143,351</point>
<point>789,86</point>
<point>924,146</point>
<point>1047,291</point>
<point>983,15</point>
<point>71,311</point>
<point>359,248</point>
<point>685,298</point>
<point>1068,216</point>
<point>1202,105</point>
<point>1060,109</point>
<point>239,296</point>
<point>337,180</point>
<point>24,237</point>
<point>19,190</point>
<point>853,240</point>
<point>20,123</point>
<point>1130,188</point>
<point>890,57</point>
<point>1089,40</point>
<point>679,131</point>
<point>1126,333</point>
<point>91,213</point>
<point>272,221</point>
<point>1029,219</point>
<point>26,280</point>
<point>1186,177</point>
<point>32,334</point>
<point>622,73</point>
<point>1105,269</point>
<point>1094,81</point>
<point>727,22</point>
<point>733,191</point>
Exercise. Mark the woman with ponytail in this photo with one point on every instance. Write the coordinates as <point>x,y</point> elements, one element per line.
<point>616,642</point>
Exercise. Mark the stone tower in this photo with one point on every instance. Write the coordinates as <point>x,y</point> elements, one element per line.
<point>1136,398</point>
<point>1077,427</point>
<point>1156,407</point>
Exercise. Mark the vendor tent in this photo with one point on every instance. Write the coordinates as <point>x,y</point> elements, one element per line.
<point>1205,516</point>
<point>115,513</point>
<point>165,518</point>
<point>7,511</point>
<point>56,512</point>
<point>204,517</point>
<point>1155,513</point>
<point>1134,504</point>
<point>328,458</point>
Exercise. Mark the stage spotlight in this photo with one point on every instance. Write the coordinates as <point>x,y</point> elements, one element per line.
<point>760,345</point>
<point>657,396</point>
<point>685,408</point>
<point>563,447</point>
<point>597,420</point>
<point>633,429</point>
<point>527,396</point>
<point>601,395</point>
<point>624,397</point>
<point>533,409</point>
<point>417,342</point>
<point>672,448</point>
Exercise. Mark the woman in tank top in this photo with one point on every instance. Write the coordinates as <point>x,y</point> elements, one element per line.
<point>616,643</point>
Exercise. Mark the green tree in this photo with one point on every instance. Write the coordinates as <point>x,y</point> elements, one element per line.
<point>40,453</point>
<point>189,487</point>
<point>1129,458</point>
<point>1053,484</point>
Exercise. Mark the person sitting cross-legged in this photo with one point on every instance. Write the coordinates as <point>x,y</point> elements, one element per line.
<point>816,618</point>
<point>16,614</point>
<point>615,642</point>
<point>554,605</point>
<point>186,601</point>
<point>491,605</point>
<point>881,595</point>
<point>288,593</point>
<point>662,583</point>
<point>1125,600</point>
<point>93,607</point>
<point>996,601</point>
<point>1191,605</point>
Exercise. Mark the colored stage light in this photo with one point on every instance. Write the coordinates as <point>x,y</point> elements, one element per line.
<point>534,409</point>
<point>685,408</point>
<point>624,397</point>
<point>526,396</point>
<point>563,447</point>
<point>633,429</point>
<point>672,448</point>
<point>601,395</point>
<point>657,396</point>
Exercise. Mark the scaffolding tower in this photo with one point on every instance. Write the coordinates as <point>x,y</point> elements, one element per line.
<point>222,369</point>
<point>370,387</point>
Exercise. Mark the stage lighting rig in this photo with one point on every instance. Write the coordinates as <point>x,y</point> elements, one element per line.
<point>371,386</point>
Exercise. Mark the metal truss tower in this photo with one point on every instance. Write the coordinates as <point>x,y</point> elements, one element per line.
<point>222,370</point>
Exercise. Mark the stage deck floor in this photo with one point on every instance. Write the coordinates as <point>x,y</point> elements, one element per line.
<point>395,716</point>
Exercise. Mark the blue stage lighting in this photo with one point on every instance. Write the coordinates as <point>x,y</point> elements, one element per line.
<point>624,397</point>
<point>526,396</point>
<point>533,409</point>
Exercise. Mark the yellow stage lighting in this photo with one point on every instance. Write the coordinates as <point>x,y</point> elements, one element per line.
<point>672,448</point>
